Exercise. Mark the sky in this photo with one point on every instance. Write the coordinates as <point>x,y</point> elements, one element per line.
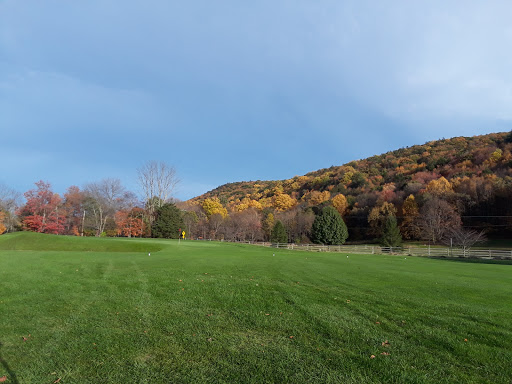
<point>230,91</point>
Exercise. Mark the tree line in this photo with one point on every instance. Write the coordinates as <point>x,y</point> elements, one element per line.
<point>101,208</point>
<point>431,190</point>
<point>444,190</point>
<point>434,220</point>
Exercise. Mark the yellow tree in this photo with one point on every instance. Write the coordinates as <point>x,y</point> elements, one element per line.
<point>340,203</point>
<point>496,155</point>
<point>242,206</point>
<point>255,204</point>
<point>278,189</point>
<point>378,216</point>
<point>410,212</point>
<point>283,202</point>
<point>440,187</point>
<point>212,206</point>
<point>247,203</point>
<point>317,197</point>
<point>348,172</point>
<point>266,202</point>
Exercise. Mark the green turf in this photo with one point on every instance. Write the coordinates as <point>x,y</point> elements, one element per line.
<point>29,241</point>
<point>204,312</point>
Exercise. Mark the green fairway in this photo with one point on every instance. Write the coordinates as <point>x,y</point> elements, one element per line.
<point>77,310</point>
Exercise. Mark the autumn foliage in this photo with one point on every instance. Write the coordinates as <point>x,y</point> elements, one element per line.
<point>130,223</point>
<point>426,189</point>
<point>340,203</point>
<point>473,175</point>
<point>214,206</point>
<point>2,226</point>
<point>41,211</point>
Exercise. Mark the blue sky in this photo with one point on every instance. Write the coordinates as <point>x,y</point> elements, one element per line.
<point>230,90</point>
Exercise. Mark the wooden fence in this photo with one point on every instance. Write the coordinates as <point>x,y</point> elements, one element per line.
<point>497,254</point>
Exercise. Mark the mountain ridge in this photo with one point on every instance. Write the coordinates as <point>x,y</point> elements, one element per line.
<point>454,157</point>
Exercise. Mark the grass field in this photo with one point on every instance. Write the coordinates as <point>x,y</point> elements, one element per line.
<point>77,310</point>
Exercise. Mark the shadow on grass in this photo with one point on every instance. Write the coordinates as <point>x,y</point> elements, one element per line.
<point>476,261</point>
<point>11,373</point>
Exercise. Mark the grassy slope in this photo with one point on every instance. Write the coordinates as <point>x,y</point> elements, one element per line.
<point>29,241</point>
<point>209,312</point>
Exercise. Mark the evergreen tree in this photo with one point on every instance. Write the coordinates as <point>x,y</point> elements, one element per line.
<point>391,236</point>
<point>168,222</point>
<point>279,234</point>
<point>329,227</point>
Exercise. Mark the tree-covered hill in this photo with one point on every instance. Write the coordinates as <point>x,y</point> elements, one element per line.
<point>472,174</point>
<point>406,169</point>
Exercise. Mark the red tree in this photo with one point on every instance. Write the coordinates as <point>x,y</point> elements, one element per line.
<point>75,212</point>
<point>41,212</point>
<point>130,222</point>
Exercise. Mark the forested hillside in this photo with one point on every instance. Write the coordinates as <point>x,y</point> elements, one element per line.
<point>457,188</point>
<point>468,179</point>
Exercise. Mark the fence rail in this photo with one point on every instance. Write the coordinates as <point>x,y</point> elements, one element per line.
<point>498,254</point>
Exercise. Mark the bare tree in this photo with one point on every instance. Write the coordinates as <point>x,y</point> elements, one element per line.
<point>104,198</point>
<point>201,228</point>
<point>10,201</point>
<point>94,214</point>
<point>215,223</point>
<point>437,218</point>
<point>190,219</point>
<point>305,221</point>
<point>288,218</point>
<point>464,238</point>
<point>157,181</point>
<point>230,228</point>
<point>298,223</point>
<point>234,228</point>
<point>249,224</point>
